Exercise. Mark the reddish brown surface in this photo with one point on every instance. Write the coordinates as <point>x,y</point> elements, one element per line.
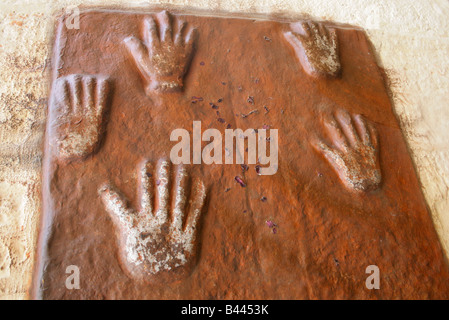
<point>326,234</point>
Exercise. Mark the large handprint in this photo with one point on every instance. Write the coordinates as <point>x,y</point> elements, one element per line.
<point>162,59</point>
<point>153,240</point>
<point>78,109</point>
<point>355,156</point>
<point>316,47</point>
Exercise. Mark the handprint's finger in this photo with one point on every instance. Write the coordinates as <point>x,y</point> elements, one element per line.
<point>314,29</point>
<point>179,40</point>
<point>162,190</point>
<point>323,31</point>
<point>77,94</point>
<point>146,188</point>
<point>344,118</point>
<point>89,85</point>
<point>150,34</point>
<point>116,206</point>
<point>363,129</point>
<point>165,26</point>
<point>181,183</point>
<point>61,97</point>
<point>102,93</point>
<point>305,29</point>
<point>198,195</point>
<point>374,136</point>
<point>333,37</point>
<point>335,133</point>
<point>139,53</point>
<point>66,94</point>
<point>190,40</point>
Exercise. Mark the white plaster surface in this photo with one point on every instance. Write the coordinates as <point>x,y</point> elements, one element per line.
<point>411,39</point>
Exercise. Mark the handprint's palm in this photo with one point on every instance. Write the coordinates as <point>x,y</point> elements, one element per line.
<point>78,110</point>
<point>355,156</point>
<point>154,240</point>
<point>162,59</point>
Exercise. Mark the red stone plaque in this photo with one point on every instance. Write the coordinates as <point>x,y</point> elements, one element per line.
<point>319,201</point>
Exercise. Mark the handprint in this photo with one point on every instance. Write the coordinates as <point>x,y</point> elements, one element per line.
<point>316,47</point>
<point>162,59</point>
<point>152,239</point>
<point>78,110</point>
<point>355,156</point>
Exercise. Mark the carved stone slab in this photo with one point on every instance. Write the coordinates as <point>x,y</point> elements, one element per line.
<point>344,194</point>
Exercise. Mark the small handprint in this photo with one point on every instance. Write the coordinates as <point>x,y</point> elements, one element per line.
<point>355,156</point>
<point>163,59</point>
<point>316,47</point>
<point>78,110</point>
<point>152,239</point>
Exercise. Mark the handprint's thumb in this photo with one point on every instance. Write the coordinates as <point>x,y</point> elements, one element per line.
<point>320,146</point>
<point>137,49</point>
<point>292,38</point>
<point>116,206</point>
